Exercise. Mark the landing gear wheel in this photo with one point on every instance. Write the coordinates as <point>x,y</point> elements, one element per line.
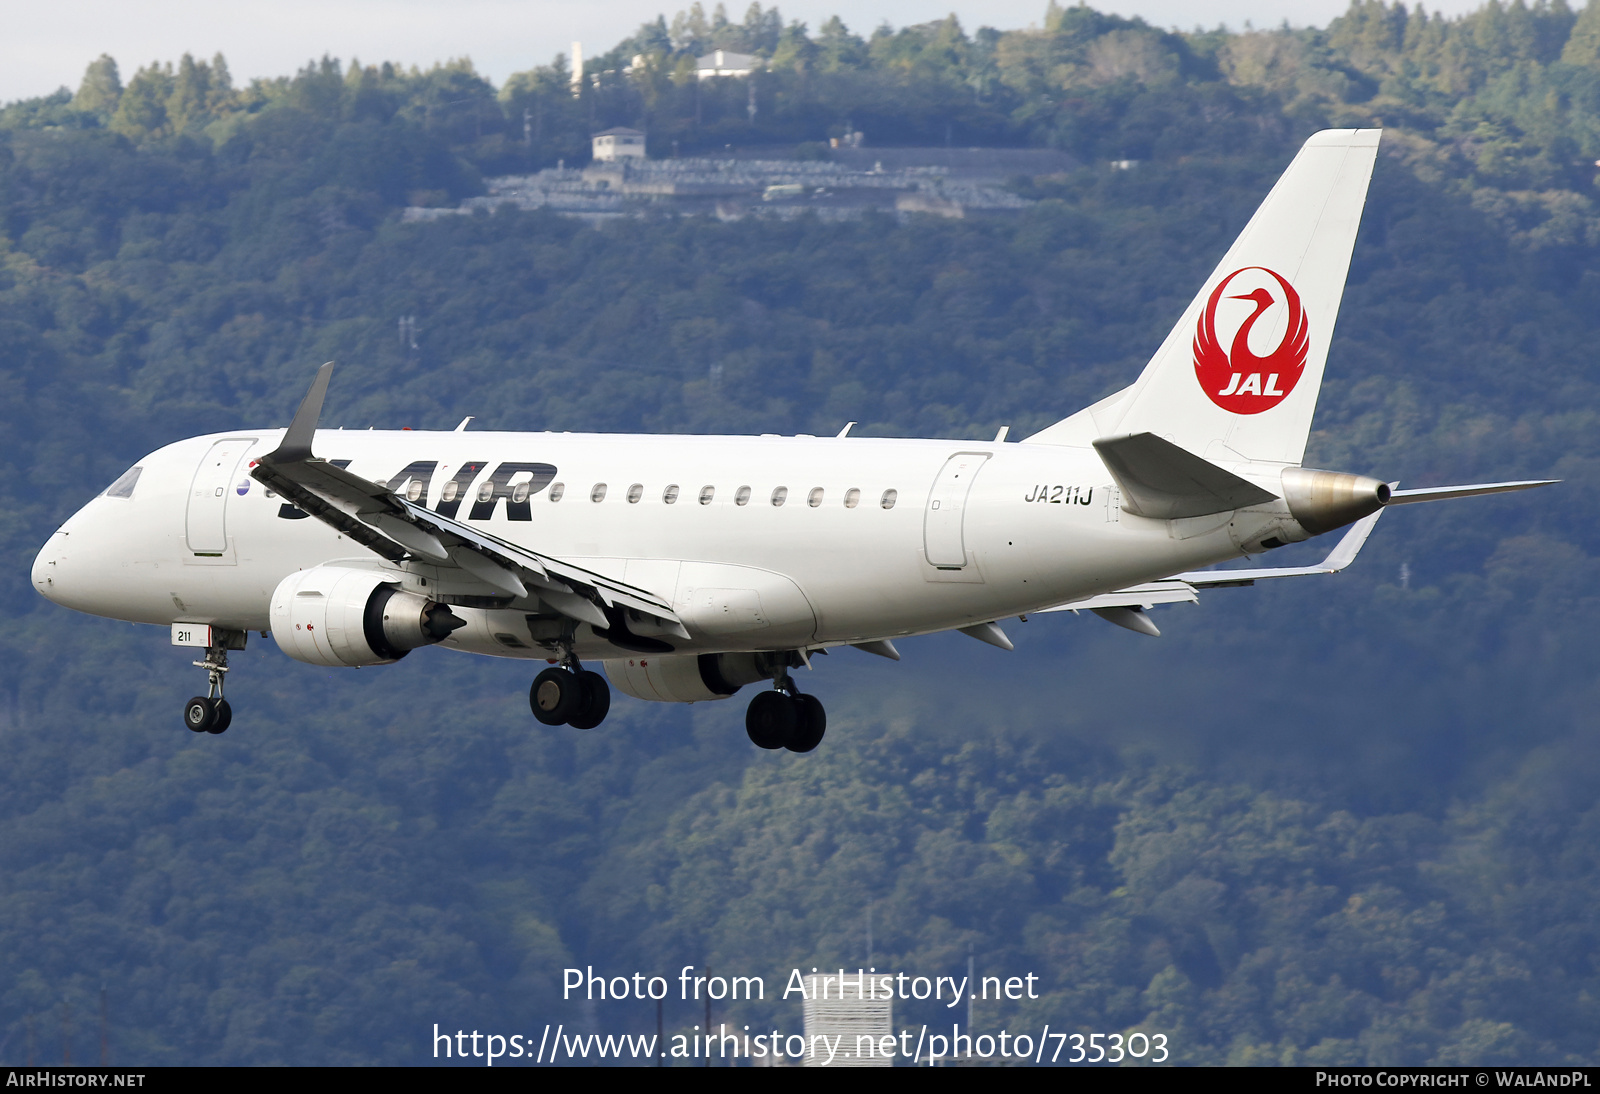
<point>813,723</point>
<point>771,719</point>
<point>199,714</point>
<point>597,701</point>
<point>556,696</point>
<point>221,716</point>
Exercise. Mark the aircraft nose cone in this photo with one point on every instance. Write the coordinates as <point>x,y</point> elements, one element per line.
<point>46,571</point>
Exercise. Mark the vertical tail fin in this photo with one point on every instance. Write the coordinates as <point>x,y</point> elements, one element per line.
<point>1237,379</point>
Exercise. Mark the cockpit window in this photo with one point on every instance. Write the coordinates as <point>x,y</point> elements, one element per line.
<point>123,487</point>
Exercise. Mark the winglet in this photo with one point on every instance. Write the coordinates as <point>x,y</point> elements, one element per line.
<point>296,443</point>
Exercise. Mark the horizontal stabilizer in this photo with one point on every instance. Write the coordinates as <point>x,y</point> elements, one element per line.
<point>1162,481</point>
<point>1445,493</point>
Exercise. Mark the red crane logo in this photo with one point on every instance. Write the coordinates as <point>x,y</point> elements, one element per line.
<point>1237,379</point>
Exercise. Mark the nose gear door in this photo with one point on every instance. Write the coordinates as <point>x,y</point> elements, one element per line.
<point>942,539</point>
<point>206,526</point>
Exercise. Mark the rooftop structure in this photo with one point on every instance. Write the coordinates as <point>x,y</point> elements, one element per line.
<point>617,144</point>
<point>722,62</point>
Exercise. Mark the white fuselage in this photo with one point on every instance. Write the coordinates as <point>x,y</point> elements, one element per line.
<point>1002,530</point>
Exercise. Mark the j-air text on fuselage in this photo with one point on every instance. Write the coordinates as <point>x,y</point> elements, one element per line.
<point>690,567</point>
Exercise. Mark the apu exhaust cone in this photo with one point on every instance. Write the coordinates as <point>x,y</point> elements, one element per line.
<point>1324,500</point>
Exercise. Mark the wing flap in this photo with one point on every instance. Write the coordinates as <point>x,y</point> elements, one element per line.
<point>1147,595</point>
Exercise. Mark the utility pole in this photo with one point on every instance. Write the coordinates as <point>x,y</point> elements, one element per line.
<point>869,936</point>
<point>971,983</point>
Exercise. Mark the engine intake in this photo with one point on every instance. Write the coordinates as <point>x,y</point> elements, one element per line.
<point>343,617</point>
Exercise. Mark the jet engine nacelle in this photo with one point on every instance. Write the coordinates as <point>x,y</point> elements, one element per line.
<point>686,677</point>
<point>340,617</point>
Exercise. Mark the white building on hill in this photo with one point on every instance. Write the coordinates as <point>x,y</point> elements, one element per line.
<point>722,62</point>
<point>617,144</point>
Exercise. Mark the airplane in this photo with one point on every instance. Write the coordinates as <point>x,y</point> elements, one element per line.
<point>692,566</point>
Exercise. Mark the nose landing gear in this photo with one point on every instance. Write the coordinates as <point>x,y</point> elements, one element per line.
<point>210,713</point>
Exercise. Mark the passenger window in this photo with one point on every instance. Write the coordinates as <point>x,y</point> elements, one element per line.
<point>519,493</point>
<point>451,489</point>
<point>635,492</point>
<point>852,498</point>
<point>123,487</point>
<point>486,491</point>
<point>414,490</point>
<point>706,494</point>
<point>670,494</point>
<point>814,498</point>
<point>742,497</point>
<point>598,493</point>
<point>556,490</point>
<point>780,495</point>
<point>889,498</point>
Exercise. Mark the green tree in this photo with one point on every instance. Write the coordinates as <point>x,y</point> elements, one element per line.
<point>100,90</point>
<point>142,111</point>
<point>1583,47</point>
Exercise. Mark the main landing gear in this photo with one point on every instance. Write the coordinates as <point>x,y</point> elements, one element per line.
<point>785,717</point>
<point>568,694</point>
<point>210,713</point>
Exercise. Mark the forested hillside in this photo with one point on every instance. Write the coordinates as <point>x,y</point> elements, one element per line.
<point>1349,821</point>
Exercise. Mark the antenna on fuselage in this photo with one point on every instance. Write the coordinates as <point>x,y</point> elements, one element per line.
<point>845,432</point>
<point>462,428</point>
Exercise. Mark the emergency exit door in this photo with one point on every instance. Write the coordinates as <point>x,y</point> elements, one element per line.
<point>943,537</point>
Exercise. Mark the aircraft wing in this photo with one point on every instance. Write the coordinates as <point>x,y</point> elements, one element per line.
<point>1126,607</point>
<point>399,530</point>
<point>1343,554</point>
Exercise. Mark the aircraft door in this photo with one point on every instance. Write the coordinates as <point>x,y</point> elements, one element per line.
<point>206,526</point>
<point>942,538</point>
